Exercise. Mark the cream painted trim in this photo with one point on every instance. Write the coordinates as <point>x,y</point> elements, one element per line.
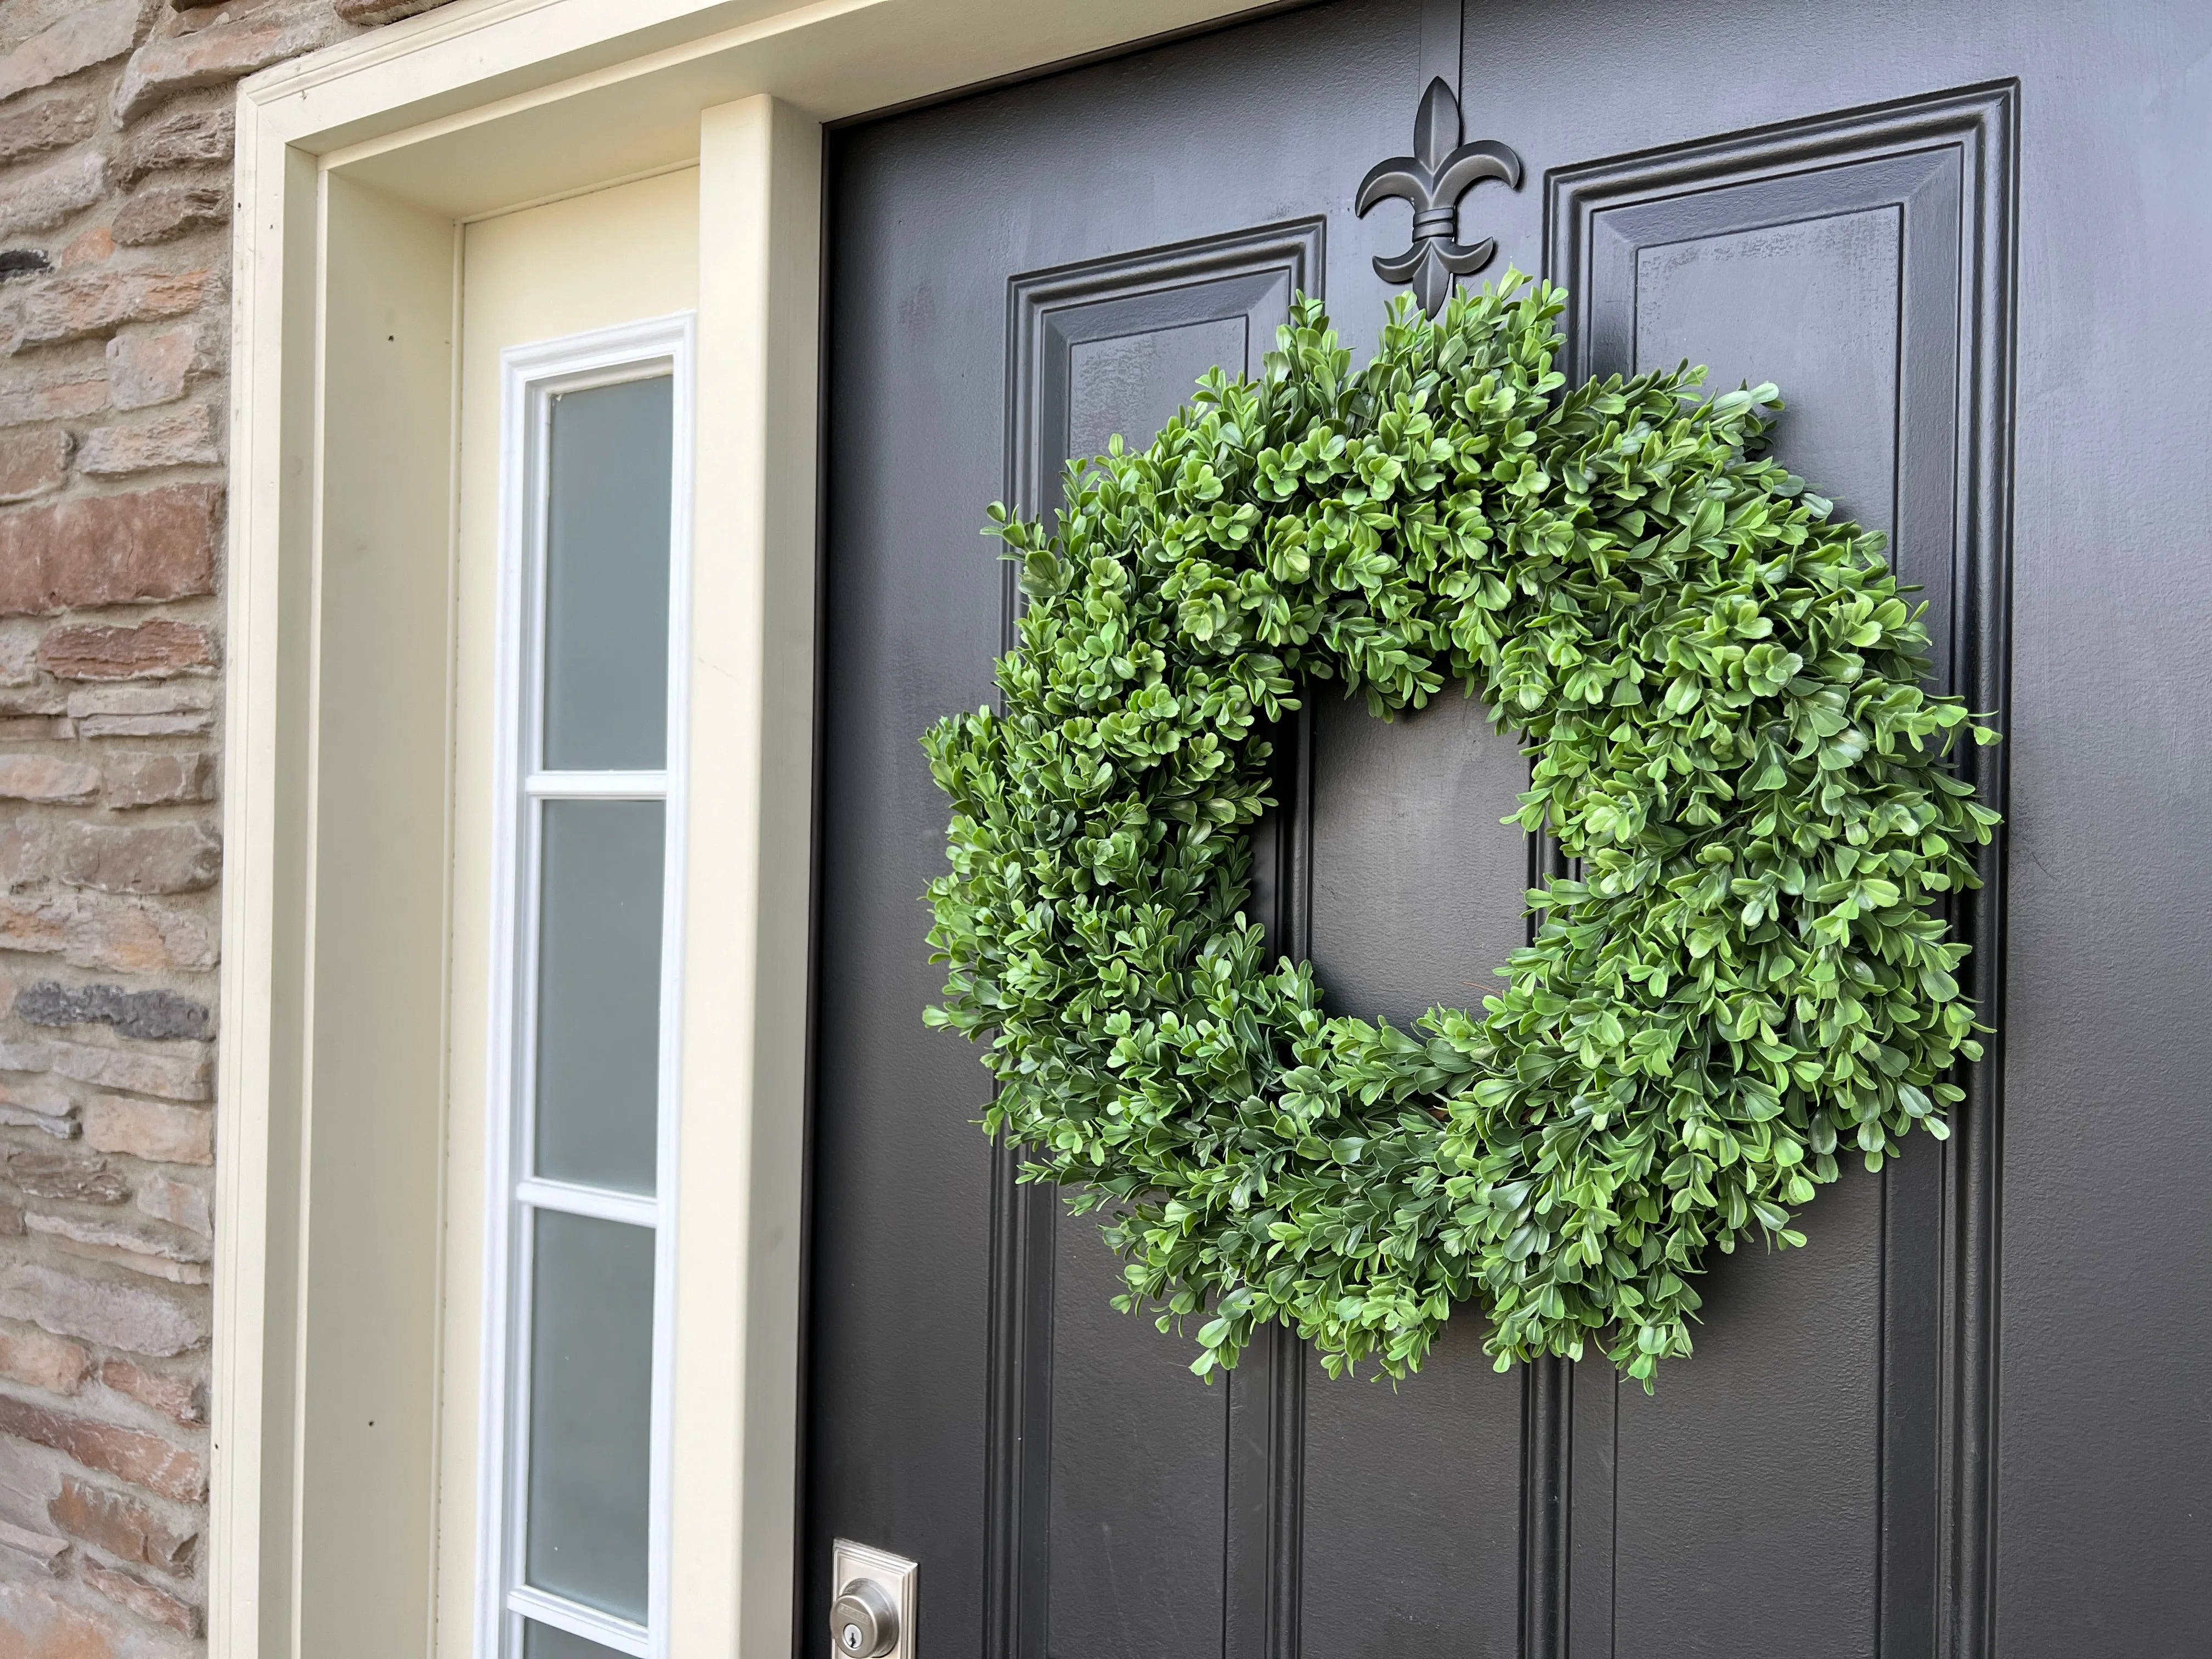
<point>354,168</point>
<point>744,979</point>
<point>256,1175</point>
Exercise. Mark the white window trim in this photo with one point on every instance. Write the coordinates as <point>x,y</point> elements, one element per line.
<point>530,377</point>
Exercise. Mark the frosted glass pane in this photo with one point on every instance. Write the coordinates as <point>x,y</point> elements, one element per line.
<point>590,1411</point>
<point>606,580</point>
<point>544,1642</point>
<point>598,991</point>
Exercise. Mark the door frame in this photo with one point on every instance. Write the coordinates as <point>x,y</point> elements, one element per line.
<point>356,168</point>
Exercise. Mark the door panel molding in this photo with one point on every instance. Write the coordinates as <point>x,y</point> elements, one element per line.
<point>1944,168</point>
<point>1247,275</point>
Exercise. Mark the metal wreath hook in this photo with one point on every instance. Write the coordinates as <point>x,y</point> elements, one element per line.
<point>1432,179</point>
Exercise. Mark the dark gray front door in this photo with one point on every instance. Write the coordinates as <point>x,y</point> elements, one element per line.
<point>1969,242</point>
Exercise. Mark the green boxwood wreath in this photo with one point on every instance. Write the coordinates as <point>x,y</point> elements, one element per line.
<point>1721,693</point>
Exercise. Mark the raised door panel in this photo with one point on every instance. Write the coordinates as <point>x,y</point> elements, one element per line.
<point>1343,1502</point>
<point>1280,1511</point>
<point>1111,1492</point>
<point>1799,1486</point>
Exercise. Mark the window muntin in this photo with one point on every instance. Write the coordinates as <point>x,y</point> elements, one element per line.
<point>579,1339</point>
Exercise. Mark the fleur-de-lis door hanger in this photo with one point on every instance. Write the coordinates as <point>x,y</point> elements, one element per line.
<point>1433,178</point>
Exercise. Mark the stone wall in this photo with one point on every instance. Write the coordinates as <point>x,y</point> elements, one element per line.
<point>115,130</point>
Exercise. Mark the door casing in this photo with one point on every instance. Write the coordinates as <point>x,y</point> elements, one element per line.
<point>356,170</point>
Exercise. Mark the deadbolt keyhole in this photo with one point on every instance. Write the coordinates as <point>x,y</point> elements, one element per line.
<point>864,1620</point>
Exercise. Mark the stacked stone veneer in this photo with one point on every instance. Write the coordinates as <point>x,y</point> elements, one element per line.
<point>115,197</point>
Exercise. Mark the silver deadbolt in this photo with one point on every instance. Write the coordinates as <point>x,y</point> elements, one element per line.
<point>864,1621</point>
<point>872,1617</point>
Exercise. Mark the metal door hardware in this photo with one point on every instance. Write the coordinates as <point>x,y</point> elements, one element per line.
<point>1432,180</point>
<point>863,1621</point>
<point>872,1616</point>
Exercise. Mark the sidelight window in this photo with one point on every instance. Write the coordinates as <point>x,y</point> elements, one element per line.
<point>580,1298</point>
